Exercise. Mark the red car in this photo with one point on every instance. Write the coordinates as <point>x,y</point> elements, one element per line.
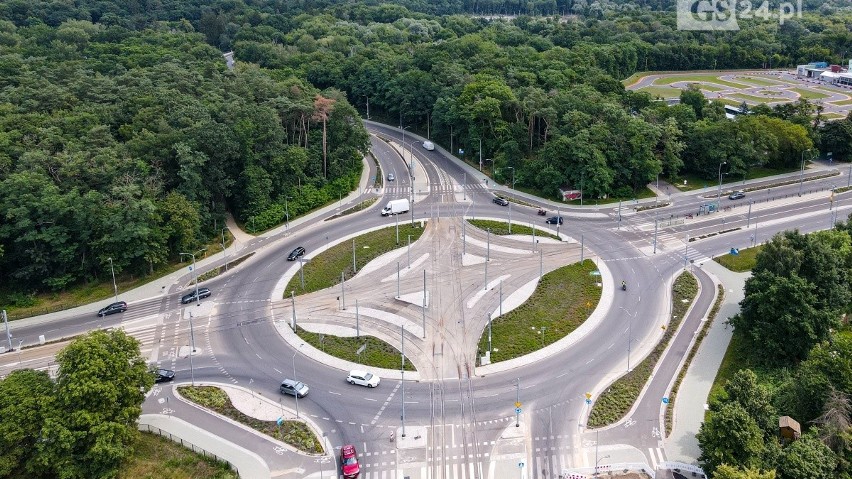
<point>349,462</point>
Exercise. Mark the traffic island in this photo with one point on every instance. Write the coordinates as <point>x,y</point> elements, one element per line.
<point>367,350</point>
<point>293,432</point>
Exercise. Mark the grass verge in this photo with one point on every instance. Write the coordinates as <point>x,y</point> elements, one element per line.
<point>222,269</point>
<point>620,396</point>
<point>699,78</point>
<point>809,94</point>
<point>156,457</point>
<point>562,301</point>
<point>377,353</point>
<point>758,99</point>
<point>740,263</point>
<point>294,433</point>
<point>355,209</point>
<point>502,229</point>
<point>720,295</point>
<point>323,271</point>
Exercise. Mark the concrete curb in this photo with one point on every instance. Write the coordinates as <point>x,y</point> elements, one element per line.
<point>247,463</point>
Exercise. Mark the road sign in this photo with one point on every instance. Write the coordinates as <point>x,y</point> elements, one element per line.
<point>518,404</point>
<point>589,402</point>
<point>665,400</point>
<point>280,420</point>
<point>521,464</point>
<point>517,410</point>
<point>588,395</point>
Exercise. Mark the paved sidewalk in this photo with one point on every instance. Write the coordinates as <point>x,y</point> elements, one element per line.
<point>690,405</point>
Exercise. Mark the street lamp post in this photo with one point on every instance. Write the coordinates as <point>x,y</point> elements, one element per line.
<point>195,272</point>
<point>296,379</point>
<point>513,175</point>
<point>480,155</point>
<point>403,144</point>
<point>802,174</point>
<point>287,210</point>
<point>719,198</point>
<point>224,250</point>
<point>114,286</point>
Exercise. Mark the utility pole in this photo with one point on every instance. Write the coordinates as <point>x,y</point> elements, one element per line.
<point>518,401</point>
<point>114,286</point>
<point>424,303</point>
<point>293,305</point>
<point>402,375</point>
<point>342,292</point>
<point>192,351</point>
<point>354,266</point>
<point>8,333</point>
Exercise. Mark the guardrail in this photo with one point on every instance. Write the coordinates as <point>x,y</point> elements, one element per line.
<point>606,470</point>
<point>186,444</point>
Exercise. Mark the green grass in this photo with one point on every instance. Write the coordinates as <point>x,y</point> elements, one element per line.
<point>562,301</point>
<point>740,263</point>
<point>758,99</point>
<point>323,271</point>
<point>223,269</point>
<point>617,400</point>
<point>698,77</point>
<point>833,116</point>
<point>760,81</point>
<point>842,102</point>
<point>378,354</point>
<point>294,433</point>
<point>662,91</point>
<point>23,306</point>
<point>502,228</point>
<point>809,94</point>
<point>359,207</point>
<point>156,457</point>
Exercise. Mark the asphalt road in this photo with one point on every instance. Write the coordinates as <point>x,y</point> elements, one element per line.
<point>469,418</point>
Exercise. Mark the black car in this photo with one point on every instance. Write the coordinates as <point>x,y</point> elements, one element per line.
<point>736,195</point>
<point>202,293</point>
<point>118,307</point>
<point>164,375</point>
<point>294,255</point>
<point>553,220</point>
<point>501,201</point>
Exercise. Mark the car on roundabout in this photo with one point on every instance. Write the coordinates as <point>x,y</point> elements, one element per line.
<point>294,388</point>
<point>363,378</point>
<point>192,296</point>
<point>296,253</point>
<point>737,195</point>
<point>349,466</point>
<point>554,220</point>
<point>163,375</point>
<point>501,201</point>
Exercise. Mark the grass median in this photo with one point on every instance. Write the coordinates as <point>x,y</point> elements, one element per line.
<point>323,271</point>
<point>742,262</point>
<point>294,433</point>
<point>155,456</point>
<point>502,228</point>
<point>375,353</point>
<point>620,396</point>
<point>562,301</point>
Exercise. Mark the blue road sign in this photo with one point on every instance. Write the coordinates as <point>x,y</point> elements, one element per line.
<point>461,152</point>
<point>665,400</point>
<point>280,420</point>
<point>517,410</point>
<point>588,401</point>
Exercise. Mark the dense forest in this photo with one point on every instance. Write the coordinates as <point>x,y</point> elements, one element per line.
<point>793,341</point>
<point>124,135</point>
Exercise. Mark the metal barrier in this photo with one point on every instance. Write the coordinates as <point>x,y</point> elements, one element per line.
<point>607,470</point>
<point>185,443</point>
<point>683,467</point>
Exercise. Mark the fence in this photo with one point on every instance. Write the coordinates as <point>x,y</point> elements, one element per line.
<point>186,444</point>
<point>607,470</point>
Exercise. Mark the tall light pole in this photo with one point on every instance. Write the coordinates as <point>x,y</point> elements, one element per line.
<point>802,175</point>
<point>287,210</point>
<point>114,286</point>
<point>192,350</point>
<point>480,155</point>
<point>195,272</point>
<point>224,250</point>
<point>403,144</point>
<point>295,379</point>
<point>513,176</point>
<point>719,199</point>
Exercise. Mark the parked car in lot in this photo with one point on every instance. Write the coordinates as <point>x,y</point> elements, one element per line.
<point>163,375</point>
<point>190,297</point>
<point>363,378</point>
<point>554,220</point>
<point>113,308</point>
<point>293,388</point>
<point>501,201</point>
<point>349,466</point>
<point>296,253</point>
<point>736,195</point>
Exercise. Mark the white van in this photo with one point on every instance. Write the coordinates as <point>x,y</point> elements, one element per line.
<point>428,145</point>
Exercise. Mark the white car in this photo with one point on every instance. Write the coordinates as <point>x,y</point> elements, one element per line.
<point>363,378</point>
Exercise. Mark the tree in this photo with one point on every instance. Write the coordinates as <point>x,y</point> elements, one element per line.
<point>729,436</point>
<point>807,458</point>
<point>755,399</point>
<point>693,97</point>
<point>783,316</point>
<point>730,472</point>
<point>100,387</point>
<point>26,396</point>
<point>322,108</point>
